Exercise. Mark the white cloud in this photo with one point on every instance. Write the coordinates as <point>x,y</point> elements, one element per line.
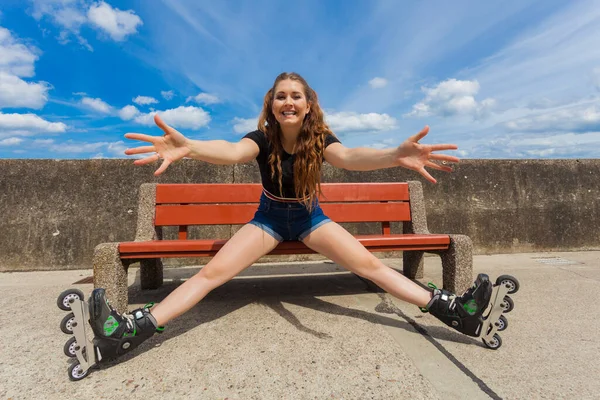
<point>576,118</point>
<point>74,147</point>
<point>351,121</point>
<point>383,144</point>
<point>71,15</point>
<point>560,140</point>
<point>43,142</point>
<point>204,98</point>
<point>377,83</point>
<point>97,104</point>
<point>25,124</point>
<point>15,92</point>
<point>128,112</point>
<point>564,145</point>
<point>70,18</point>
<point>167,94</point>
<point>11,141</point>
<point>16,61</point>
<point>117,148</point>
<point>243,125</point>
<point>180,117</point>
<point>16,58</point>
<point>114,150</point>
<point>118,24</point>
<point>452,97</point>
<point>143,100</point>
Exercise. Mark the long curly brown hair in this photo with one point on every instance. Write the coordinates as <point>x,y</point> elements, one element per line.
<point>309,146</point>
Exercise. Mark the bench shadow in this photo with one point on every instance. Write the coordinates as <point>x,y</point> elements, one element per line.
<point>274,292</point>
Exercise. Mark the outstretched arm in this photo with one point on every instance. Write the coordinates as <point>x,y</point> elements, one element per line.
<point>410,154</point>
<point>173,146</point>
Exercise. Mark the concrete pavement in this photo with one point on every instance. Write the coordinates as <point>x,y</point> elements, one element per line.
<point>313,331</point>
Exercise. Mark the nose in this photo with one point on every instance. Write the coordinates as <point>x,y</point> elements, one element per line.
<point>288,100</point>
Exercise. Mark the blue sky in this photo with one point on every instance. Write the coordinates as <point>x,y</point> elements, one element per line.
<point>509,79</point>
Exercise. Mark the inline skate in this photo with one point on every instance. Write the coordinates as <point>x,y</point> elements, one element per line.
<point>114,334</point>
<point>479,311</point>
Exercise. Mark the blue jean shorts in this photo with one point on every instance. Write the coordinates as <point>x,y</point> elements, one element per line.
<point>287,220</point>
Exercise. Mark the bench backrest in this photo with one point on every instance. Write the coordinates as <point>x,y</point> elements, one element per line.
<point>235,203</point>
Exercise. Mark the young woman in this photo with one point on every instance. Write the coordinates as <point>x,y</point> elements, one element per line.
<point>290,144</point>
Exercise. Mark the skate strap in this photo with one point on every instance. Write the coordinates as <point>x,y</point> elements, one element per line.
<point>431,286</point>
<point>159,329</point>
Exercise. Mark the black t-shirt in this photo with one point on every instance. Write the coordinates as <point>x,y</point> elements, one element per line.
<point>287,165</point>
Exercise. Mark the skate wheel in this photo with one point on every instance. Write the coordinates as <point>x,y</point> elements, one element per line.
<point>66,325</point>
<point>507,304</point>
<point>76,373</point>
<point>495,343</point>
<point>71,347</point>
<point>502,323</point>
<point>510,281</point>
<point>64,299</point>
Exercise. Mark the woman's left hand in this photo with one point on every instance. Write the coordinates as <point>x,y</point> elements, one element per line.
<point>413,155</point>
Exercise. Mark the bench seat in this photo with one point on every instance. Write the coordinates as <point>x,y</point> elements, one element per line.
<point>208,247</point>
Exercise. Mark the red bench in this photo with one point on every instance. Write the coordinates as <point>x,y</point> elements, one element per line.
<point>185,205</point>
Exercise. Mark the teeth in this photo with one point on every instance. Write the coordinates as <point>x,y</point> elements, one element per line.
<point>289,113</point>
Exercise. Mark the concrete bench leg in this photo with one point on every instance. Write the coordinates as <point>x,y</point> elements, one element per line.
<point>412,264</point>
<point>457,264</point>
<point>110,273</point>
<point>151,273</point>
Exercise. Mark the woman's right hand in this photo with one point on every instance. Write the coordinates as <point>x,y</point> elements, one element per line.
<point>172,146</point>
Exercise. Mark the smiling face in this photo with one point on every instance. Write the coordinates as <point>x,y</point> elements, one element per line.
<point>289,103</point>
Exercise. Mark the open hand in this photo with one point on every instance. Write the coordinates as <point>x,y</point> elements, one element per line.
<point>413,155</point>
<point>172,146</point>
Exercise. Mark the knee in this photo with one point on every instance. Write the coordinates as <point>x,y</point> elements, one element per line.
<point>370,267</point>
<point>212,275</point>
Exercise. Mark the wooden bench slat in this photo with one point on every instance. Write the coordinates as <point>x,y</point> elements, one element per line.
<point>207,193</point>
<point>250,193</point>
<point>367,212</point>
<point>207,247</point>
<point>348,192</point>
<point>224,214</point>
<point>209,214</point>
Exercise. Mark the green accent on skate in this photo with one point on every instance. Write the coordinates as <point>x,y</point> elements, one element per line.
<point>160,329</point>
<point>110,325</point>
<point>470,307</point>
<point>149,305</point>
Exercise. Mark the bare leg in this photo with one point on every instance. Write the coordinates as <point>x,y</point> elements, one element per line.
<point>242,250</point>
<point>334,242</point>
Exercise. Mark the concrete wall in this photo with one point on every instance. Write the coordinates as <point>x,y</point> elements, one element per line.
<point>54,212</point>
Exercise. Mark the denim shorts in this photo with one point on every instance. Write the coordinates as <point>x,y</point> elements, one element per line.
<point>287,220</point>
